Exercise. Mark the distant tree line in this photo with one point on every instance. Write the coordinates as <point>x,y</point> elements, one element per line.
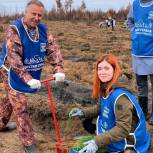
<point>67,12</point>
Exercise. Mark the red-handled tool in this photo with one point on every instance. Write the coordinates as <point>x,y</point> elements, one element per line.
<point>59,147</point>
<point>47,82</point>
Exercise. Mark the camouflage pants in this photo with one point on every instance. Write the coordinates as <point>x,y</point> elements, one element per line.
<point>16,102</point>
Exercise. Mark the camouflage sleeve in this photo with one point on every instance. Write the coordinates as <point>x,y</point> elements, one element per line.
<point>54,56</point>
<point>14,53</point>
<point>91,112</point>
<point>123,109</point>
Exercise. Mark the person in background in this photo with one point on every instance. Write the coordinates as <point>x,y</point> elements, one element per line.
<point>140,24</point>
<point>26,46</point>
<point>113,23</point>
<point>121,125</point>
<point>109,21</point>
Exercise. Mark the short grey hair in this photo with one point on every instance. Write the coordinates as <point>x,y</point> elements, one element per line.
<point>36,2</point>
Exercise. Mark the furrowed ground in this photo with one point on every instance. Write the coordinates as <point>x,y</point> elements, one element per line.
<point>80,44</point>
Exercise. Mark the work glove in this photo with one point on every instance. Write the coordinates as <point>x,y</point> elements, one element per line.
<point>91,147</point>
<point>76,112</point>
<point>34,84</point>
<point>59,76</point>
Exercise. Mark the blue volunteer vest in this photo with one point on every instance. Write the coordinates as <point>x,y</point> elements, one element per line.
<point>142,35</point>
<point>34,53</point>
<point>106,121</point>
<point>3,54</point>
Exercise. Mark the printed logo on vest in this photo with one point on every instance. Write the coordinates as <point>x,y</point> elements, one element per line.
<point>105,125</point>
<point>143,28</point>
<point>106,112</point>
<point>150,15</point>
<point>42,47</point>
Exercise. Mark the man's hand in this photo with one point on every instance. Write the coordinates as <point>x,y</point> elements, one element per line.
<point>91,147</point>
<point>59,76</point>
<point>76,112</point>
<point>34,84</point>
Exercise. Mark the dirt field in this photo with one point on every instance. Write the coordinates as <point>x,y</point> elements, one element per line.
<point>80,44</point>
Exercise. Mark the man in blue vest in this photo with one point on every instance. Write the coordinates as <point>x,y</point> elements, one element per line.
<point>26,46</point>
<point>140,23</point>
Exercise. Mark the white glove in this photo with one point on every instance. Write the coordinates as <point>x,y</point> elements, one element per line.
<point>76,112</point>
<point>59,76</point>
<point>34,84</point>
<point>91,147</point>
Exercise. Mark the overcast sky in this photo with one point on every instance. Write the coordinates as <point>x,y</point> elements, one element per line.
<point>13,6</point>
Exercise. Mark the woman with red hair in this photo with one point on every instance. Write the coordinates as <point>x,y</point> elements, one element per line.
<point>121,123</point>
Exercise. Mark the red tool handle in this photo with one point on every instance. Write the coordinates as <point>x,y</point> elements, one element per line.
<point>47,80</point>
<point>52,107</point>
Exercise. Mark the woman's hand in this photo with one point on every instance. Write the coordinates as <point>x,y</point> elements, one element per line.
<point>91,147</point>
<point>76,112</point>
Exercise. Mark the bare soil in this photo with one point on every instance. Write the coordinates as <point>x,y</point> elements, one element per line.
<point>40,113</point>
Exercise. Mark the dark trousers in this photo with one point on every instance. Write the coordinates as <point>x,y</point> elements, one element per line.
<point>89,126</point>
<point>142,84</point>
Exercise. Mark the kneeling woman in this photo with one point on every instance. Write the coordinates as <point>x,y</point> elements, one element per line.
<point>121,124</point>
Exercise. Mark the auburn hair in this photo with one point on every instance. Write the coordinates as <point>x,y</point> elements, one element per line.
<point>97,90</point>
